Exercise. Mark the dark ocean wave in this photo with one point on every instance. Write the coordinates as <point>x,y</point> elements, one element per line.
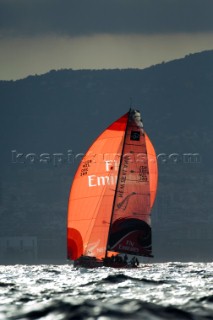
<point>116,278</point>
<point>121,278</point>
<point>90,309</point>
<point>6,284</point>
<point>51,270</point>
<point>207,299</point>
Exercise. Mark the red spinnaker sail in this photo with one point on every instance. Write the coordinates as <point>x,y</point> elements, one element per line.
<point>92,194</point>
<point>130,230</point>
<point>113,192</point>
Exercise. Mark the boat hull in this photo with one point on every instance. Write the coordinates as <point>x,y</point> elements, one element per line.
<point>88,262</point>
<point>92,262</point>
<point>119,265</point>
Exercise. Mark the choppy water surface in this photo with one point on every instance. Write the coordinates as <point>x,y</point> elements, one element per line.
<point>155,291</point>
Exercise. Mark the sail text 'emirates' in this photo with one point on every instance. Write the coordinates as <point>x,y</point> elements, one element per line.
<point>110,165</point>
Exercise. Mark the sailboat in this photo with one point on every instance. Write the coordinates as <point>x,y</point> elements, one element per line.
<point>111,197</point>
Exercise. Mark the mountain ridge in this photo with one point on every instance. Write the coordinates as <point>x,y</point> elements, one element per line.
<point>189,56</point>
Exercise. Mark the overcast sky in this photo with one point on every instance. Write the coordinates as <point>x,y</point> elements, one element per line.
<point>39,35</point>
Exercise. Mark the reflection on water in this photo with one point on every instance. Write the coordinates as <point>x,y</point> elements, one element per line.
<point>154,291</point>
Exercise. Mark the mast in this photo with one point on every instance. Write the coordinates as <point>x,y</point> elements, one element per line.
<point>113,206</point>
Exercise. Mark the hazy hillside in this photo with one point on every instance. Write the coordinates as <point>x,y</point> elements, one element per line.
<point>65,110</point>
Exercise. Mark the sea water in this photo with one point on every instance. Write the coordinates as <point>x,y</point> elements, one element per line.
<point>154,291</point>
